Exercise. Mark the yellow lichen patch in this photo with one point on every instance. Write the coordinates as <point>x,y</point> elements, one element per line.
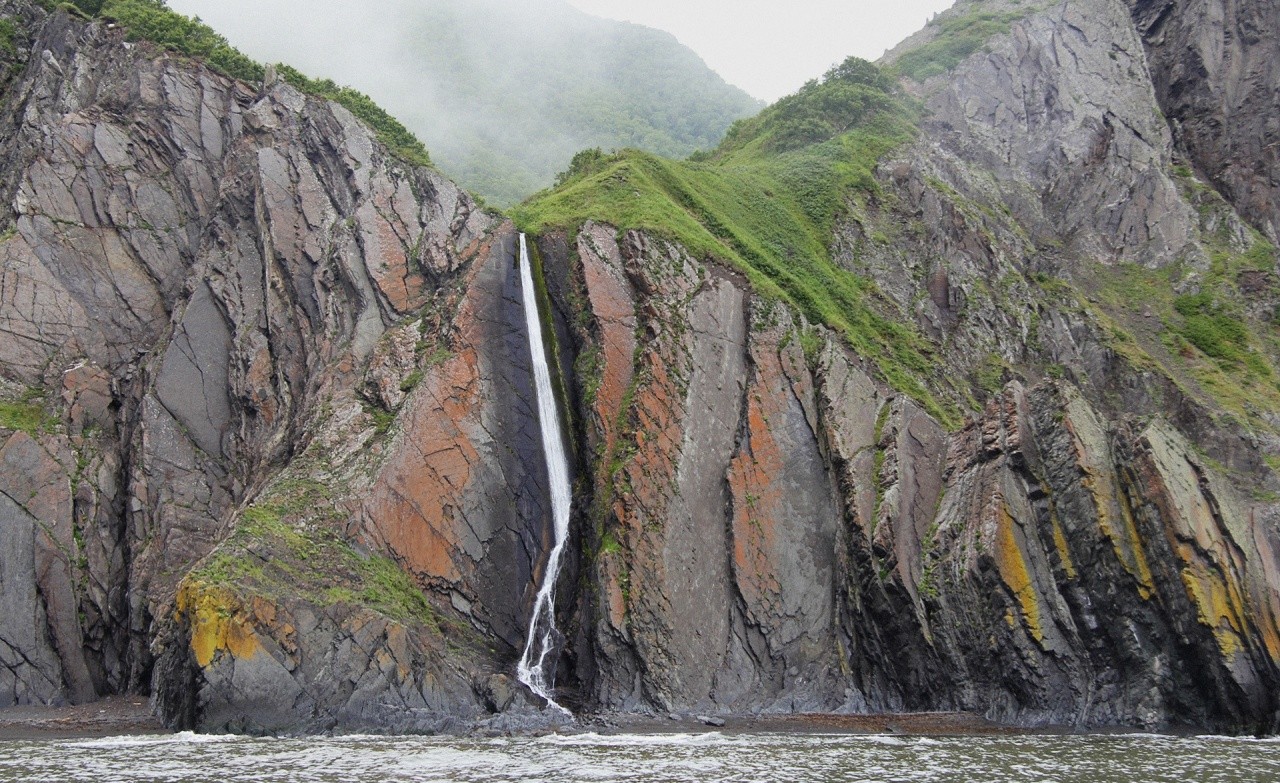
<point>1013,570</point>
<point>1060,542</point>
<point>1141,569</point>
<point>1271,637</point>
<point>1114,517</point>
<point>1218,605</point>
<point>218,623</point>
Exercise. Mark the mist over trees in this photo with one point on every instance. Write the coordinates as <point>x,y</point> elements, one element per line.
<point>503,92</point>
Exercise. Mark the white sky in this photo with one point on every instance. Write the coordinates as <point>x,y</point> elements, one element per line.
<point>771,47</point>
<point>767,47</point>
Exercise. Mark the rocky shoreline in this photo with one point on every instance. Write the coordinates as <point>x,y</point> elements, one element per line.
<point>132,715</point>
<point>115,716</point>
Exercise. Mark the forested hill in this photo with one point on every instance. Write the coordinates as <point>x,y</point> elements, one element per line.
<point>502,92</point>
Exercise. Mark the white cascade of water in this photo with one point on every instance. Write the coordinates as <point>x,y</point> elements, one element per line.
<point>541,641</point>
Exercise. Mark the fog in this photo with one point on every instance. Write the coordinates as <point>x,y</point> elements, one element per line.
<point>503,92</point>
<point>769,48</point>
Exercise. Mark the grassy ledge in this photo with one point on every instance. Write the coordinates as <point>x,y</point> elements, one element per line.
<point>766,202</point>
<point>26,413</point>
<point>152,20</point>
<point>269,556</point>
<point>958,36</point>
<point>1201,327</point>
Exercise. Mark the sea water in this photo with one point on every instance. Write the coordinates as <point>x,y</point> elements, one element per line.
<point>663,757</point>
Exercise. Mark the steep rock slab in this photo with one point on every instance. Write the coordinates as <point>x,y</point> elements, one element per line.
<point>1061,112</point>
<point>784,529</point>
<point>1216,70</point>
<point>195,265</point>
<point>714,509</point>
<point>462,500</point>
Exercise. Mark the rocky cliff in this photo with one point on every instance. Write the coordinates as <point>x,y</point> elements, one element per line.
<point>270,453</point>
<point>217,297</point>
<point>776,525</point>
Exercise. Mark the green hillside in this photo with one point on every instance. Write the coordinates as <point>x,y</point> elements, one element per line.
<point>519,88</point>
<point>765,201</point>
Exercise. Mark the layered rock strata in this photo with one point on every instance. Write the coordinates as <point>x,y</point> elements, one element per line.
<point>269,452</point>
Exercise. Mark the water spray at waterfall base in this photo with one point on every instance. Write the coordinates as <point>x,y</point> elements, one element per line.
<point>542,638</point>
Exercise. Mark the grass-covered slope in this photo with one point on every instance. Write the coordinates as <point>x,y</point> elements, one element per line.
<point>956,36</point>
<point>1213,331</point>
<point>765,202</point>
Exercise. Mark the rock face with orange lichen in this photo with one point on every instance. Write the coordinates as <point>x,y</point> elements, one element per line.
<point>217,297</point>
<point>777,531</point>
<point>269,449</point>
<point>769,526</point>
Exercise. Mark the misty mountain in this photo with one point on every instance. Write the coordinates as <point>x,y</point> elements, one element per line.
<point>503,92</point>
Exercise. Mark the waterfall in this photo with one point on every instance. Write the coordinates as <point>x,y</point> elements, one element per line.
<point>541,640</point>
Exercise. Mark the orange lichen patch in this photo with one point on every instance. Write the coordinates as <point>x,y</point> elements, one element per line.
<point>1016,575</point>
<point>611,302</point>
<point>757,502</point>
<point>398,650</point>
<point>647,478</point>
<point>758,478</point>
<point>1064,553</point>
<point>218,622</point>
<point>389,265</point>
<point>1114,517</point>
<point>616,582</point>
<point>416,505</point>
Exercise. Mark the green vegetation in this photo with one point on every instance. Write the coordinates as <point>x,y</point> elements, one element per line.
<point>1208,326</point>
<point>22,416</point>
<point>26,413</point>
<point>990,374</point>
<point>958,36</point>
<point>152,20</point>
<point>609,544</point>
<point>284,546</point>
<point>766,202</point>
<point>8,34</point>
<point>1206,336</point>
<point>313,564</point>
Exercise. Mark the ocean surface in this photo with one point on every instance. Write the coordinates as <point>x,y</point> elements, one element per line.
<point>663,757</point>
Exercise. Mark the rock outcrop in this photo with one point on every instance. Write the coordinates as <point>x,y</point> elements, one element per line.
<point>773,527</point>
<point>780,532</point>
<point>201,278</point>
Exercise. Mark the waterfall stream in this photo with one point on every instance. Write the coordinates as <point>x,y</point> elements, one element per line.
<point>541,640</point>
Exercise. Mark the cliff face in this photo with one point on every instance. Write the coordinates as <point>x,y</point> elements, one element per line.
<point>1218,82</point>
<point>206,284</point>
<point>271,454</point>
<point>774,528</point>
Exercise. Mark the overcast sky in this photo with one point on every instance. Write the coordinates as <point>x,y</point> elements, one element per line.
<point>767,47</point>
<point>771,47</point>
